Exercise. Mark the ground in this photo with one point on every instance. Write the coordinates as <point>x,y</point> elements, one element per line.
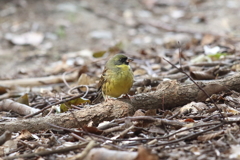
<point>47,38</point>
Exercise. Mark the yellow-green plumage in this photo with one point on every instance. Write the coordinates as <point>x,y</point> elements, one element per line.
<point>117,77</point>
<point>118,81</point>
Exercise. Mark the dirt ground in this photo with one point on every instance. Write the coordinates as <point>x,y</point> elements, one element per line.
<point>45,37</point>
<point>96,25</point>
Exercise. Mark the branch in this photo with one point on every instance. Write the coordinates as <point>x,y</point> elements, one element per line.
<point>38,81</point>
<point>97,113</point>
<point>169,94</point>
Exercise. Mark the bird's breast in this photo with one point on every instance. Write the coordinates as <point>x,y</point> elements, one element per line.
<point>119,82</point>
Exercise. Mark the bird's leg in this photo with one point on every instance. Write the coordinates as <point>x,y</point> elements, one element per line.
<point>125,96</point>
<point>108,98</point>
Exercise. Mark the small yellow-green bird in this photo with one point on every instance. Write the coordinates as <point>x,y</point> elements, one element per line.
<point>117,77</point>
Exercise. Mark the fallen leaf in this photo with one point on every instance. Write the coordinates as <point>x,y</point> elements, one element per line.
<point>207,39</point>
<point>193,107</point>
<point>189,120</point>
<point>8,146</point>
<point>84,79</point>
<point>25,134</point>
<point>201,75</point>
<point>78,101</point>
<point>144,154</point>
<point>24,99</point>
<point>3,89</point>
<point>92,130</point>
<point>206,137</point>
<point>99,54</point>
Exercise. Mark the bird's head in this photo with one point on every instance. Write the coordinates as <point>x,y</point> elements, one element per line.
<point>119,59</point>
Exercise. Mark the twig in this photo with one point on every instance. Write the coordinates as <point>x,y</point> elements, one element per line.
<point>197,86</point>
<point>44,153</point>
<point>77,87</point>
<point>84,153</point>
<point>5,136</point>
<point>167,136</point>
<point>50,105</point>
<point>190,136</point>
<point>78,137</point>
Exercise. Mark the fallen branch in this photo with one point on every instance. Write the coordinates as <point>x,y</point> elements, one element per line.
<point>169,94</point>
<point>97,113</point>
<point>27,82</point>
<point>22,109</point>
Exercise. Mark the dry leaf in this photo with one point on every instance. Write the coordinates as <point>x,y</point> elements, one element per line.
<point>25,134</point>
<point>151,112</point>
<point>139,71</point>
<point>92,130</point>
<point>236,67</point>
<point>156,129</point>
<point>202,75</point>
<point>84,79</point>
<point>210,136</point>
<point>9,146</point>
<point>193,107</point>
<point>207,39</point>
<point>144,154</point>
<point>228,109</point>
<point>139,112</point>
<point>3,89</point>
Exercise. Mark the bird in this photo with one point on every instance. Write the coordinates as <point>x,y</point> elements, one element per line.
<point>117,78</point>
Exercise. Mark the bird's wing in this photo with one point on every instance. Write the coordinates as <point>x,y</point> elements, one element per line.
<point>100,84</point>
<point>102,80</point>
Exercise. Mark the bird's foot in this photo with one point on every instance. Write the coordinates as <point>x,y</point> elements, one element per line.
<point>108,99</point>
<point>125,96</point>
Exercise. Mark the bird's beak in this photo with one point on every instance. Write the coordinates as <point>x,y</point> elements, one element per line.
<point>129,60</point>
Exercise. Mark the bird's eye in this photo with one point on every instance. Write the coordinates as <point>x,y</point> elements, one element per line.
<point>123,60</point>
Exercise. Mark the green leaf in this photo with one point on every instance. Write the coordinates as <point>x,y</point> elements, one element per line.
<point>78,101</point>
<point>24,99</point>
<point>217,56</point>
<point>99,54</point>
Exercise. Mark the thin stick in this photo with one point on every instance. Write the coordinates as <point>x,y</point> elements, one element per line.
<point>44,153</point>
<point>197,86</point>
<point>50,105</point>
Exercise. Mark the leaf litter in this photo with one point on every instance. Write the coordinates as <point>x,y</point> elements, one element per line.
<point>203,129</point>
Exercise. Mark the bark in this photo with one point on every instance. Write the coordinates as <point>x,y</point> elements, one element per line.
<point>101,112</point>
<point>169,94</point>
